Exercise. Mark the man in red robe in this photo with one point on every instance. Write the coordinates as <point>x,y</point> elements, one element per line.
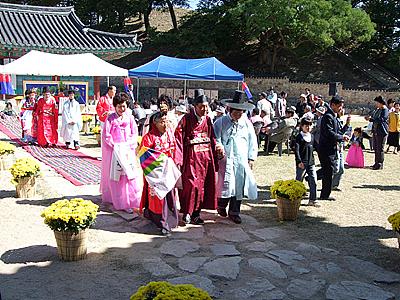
<point>105,105</point>
<point>196,155</point>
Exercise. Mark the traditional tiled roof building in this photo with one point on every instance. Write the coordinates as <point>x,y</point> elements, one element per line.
<point>57,30</point>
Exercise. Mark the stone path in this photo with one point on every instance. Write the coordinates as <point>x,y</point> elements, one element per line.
<point>241,261</point>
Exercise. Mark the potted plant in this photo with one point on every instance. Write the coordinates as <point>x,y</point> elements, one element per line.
<point>166,290</point>
<point>7,157</point>
<point>288,195</point>
<point>70,219</point>
<point>24,172</point>
<point>86,119</point>
<point>395,221</point>
<point>96,130</point>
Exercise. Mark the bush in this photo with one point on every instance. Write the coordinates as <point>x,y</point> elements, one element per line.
<point>161,290</point>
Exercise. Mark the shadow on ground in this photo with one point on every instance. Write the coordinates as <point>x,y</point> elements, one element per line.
<point>378,187</point>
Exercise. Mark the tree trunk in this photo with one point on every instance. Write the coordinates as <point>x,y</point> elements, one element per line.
<point>172,13</point>
<point>273,61</point>
<point>146,15</point>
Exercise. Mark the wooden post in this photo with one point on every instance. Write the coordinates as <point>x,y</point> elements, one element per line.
<point>96,87</point>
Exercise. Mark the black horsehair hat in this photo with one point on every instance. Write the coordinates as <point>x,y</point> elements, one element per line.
<point>199,97</point>
<point>237,102</point>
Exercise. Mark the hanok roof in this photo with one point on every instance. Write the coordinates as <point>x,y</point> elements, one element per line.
<point>58,30</point>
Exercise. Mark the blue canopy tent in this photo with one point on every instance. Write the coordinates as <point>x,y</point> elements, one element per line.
<point>186,69</point>
<point>164,67</point>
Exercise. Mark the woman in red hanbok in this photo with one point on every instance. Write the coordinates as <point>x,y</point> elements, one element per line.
<point>162,212</point>
<point>47,120</point>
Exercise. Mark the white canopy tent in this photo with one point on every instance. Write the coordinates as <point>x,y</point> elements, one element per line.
<point>49,64</point>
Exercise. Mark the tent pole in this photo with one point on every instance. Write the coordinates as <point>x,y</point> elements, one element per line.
<point>239,85</point>
<point>108,81</point>
<point>184,90</point>
<point>137,90</point>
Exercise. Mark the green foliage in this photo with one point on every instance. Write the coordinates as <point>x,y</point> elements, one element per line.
<point>161,290</point>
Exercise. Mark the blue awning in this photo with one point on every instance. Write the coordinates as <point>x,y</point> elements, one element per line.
<point>186,69</point>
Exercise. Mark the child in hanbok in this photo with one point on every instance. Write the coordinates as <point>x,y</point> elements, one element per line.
<point>26,116</point>
<point>355,155</point>
<point>163,212</point>
<point>120,184</point>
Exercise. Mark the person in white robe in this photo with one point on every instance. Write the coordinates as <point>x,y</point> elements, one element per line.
<point>71,121</point>
<point>236,134</point>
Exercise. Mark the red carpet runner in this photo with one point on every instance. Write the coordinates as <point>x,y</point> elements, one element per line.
<point>73,165</point>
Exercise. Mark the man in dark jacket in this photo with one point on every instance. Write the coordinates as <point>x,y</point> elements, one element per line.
<point>380,130</point>
<point>328,143</point>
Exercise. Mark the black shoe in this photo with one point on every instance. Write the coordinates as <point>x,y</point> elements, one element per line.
<point>222,212</point>
<point>236,219</point>
<point>377,167</point>
<point>336,189</point>
<point>186,219</point>
<point>165,232</point>
<point>197,221</point>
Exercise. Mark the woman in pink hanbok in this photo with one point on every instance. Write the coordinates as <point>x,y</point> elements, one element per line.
<point>120,184</point>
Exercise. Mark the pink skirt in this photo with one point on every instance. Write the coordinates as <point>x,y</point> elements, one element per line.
<point>355,157</point>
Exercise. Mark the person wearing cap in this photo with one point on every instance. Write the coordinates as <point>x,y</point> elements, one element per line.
<point>321,102</point>
<point>196,155</point>
<point>308,113</point>
<point>180,111</point>
<point>219,112</point>
<point>328,143</point>
<point>235,133</point>
<point>71,121</point>
<point>380,130</point>
<point>47,120</point>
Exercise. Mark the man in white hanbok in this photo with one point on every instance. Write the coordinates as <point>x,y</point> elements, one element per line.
<point>71,121</point>
<point>235,133</point>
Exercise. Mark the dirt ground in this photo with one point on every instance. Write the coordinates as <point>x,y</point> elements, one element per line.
<point>355,224</point>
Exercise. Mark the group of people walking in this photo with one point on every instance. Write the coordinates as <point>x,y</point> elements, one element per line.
<point>214,159</point>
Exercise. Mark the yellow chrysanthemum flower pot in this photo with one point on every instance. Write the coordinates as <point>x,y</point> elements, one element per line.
<point>70,220</point>
<point>288,195</point>
<point>394,220</point>
<point>24,172</point>
<point>7,157</point>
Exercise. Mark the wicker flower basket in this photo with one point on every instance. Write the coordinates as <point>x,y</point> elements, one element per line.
<point>6,161</point>
<point>70,246</point>
<point>26,187</point>
<point>85,127</point>
<point>287,209</point>
<point>98,138</point>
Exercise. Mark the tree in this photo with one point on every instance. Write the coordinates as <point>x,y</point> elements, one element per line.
<point>289,24</point>
<point>384,45</point>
